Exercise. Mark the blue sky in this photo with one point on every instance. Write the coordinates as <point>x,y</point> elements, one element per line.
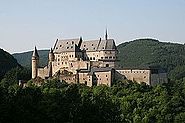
<point>26,23</point>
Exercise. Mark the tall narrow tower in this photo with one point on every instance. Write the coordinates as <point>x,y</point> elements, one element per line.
<point>35,62</point>
<point>51,59</point>
<point>106,35</point>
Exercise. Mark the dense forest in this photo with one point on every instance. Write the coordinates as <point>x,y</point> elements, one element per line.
<point>126,101</point>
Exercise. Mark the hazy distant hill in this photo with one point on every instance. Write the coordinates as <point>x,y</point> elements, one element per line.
<point>25,58</point>
<point>142,52</point>
<point>7,62</point>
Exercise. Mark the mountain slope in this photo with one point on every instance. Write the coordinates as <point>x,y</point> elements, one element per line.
<point>25,58</point>
<point>7,62</point>
<point>144,52</point>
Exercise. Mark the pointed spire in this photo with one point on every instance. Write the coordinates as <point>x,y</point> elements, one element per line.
<point>51,50</point>
<point>35,52</point>
<point>106,35</point>
<point>80,38</point>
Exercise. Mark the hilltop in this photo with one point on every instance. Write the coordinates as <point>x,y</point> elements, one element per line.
<point>25,58</point>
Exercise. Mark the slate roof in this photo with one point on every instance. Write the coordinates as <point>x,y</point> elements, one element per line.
<point>76,45</point>
<point>66,45</point>
<point>35,53</point>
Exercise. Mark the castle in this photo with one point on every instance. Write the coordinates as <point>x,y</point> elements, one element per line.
<point>91,62</point>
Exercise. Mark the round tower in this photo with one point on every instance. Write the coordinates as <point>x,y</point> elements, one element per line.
<point>35,62</point>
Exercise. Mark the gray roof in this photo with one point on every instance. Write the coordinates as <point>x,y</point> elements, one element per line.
<point>35,52</point>
<point>92,45</point>
<point>97,45</point>
<point>66,45</point>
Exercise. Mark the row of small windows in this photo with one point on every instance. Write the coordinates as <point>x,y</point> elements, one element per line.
<point>133,72</point>
<point>110,57</point>
<point>69,79</point>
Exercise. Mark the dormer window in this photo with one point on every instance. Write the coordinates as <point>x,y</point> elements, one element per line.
<point>84,45</point>
<point>92,44</point>
<point>67,42</point>
<point>102,47</point>
<point>72,42</point>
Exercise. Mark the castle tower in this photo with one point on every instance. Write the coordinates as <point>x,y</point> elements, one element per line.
<point>51,55</point>
<point>51,59</point>
<point>35,62</point>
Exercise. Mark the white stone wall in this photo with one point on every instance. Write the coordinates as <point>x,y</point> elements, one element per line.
<point>136,75</point>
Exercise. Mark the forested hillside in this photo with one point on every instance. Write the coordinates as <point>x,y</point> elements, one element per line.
<point>25,58</point>
<point>7,62</point>
<point>149,52</point>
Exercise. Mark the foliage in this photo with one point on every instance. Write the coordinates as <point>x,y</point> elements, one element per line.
<point>7,62</point>
<point>126,102</point>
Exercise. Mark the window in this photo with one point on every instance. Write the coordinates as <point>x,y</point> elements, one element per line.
<point>67,47</point>
<point>90,58</point>
<point>106,75</point>
<point>113,57</point>
<point>107,65</point>
<point>60,45</point>
<point>101,57</point>
<point>93,58</point>
<point>106,57</point>
<point>92,44</point>
<point>110,57</point>
<point>56,47</point>
<point>71,46</point>
<point>67,42</point>
<point>84,45</point>
<point>85,82</point>
<point>102,47</point>
<point>72,42</point>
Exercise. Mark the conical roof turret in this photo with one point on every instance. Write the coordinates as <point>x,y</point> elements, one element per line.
<point>35,52</point>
